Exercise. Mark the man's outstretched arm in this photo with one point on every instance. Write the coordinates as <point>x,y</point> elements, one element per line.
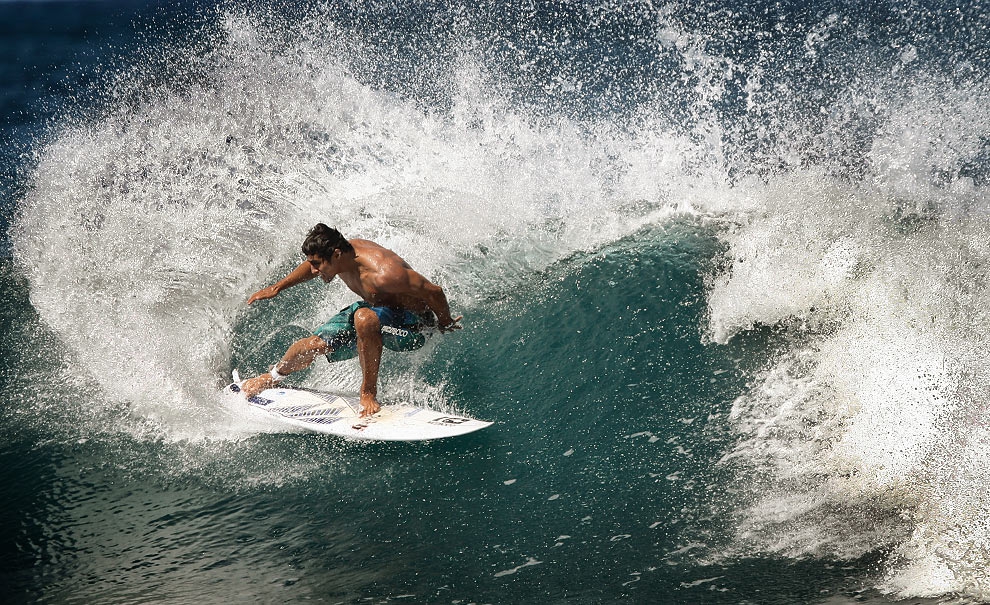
<point>300,274</point>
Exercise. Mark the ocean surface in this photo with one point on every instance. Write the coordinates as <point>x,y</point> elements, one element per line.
<point>722,265</point>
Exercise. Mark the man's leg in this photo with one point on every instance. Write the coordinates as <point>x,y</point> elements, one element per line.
<point>298,357</point>
<point>369,345</point>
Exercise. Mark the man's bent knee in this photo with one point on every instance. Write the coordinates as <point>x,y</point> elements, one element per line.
<point>366,321</point>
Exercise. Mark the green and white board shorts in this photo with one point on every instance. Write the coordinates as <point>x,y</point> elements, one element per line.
<point>402,330</point>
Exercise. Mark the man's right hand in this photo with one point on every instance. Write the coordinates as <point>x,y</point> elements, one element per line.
<point>263,294</point>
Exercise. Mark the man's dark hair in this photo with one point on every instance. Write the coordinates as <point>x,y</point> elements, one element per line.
<point>323,240</point>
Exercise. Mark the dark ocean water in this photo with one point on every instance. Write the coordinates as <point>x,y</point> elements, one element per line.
<point>722,267</point>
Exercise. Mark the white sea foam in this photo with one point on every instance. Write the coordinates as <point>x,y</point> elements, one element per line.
<point>868,430</point>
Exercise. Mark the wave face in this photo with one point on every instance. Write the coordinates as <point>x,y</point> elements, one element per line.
<point>728,261</point>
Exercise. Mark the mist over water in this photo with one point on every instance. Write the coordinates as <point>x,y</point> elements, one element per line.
<point>786,202</point>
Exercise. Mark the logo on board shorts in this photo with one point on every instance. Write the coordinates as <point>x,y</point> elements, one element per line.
<point>395,331</point>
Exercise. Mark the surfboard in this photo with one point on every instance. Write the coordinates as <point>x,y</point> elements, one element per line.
<point>337,414</point>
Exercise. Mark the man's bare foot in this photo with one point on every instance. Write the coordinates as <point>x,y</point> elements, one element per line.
<point>369,405</point>
<point>253,386</point>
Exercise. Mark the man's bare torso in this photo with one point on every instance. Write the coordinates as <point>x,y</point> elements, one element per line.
<point>379,271</point>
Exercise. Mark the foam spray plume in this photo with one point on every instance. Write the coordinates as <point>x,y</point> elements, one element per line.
<point>176,207</point>
<point>865,431</point>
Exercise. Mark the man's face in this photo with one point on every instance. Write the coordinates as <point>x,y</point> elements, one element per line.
<point>324,267</point>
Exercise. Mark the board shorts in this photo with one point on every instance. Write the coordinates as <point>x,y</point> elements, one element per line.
<point>401,330</point>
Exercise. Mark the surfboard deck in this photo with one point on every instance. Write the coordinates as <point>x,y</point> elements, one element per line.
<point>340,415</point>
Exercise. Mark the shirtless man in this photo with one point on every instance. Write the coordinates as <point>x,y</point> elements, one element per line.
<point>397,303</point>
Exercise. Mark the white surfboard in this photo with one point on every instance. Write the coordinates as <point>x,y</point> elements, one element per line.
<point>341,415</point>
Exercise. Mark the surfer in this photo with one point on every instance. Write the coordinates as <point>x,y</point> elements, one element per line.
<point>397,304</point>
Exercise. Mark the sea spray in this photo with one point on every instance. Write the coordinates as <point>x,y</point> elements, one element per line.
<point>870,413</point>
<point>144,231</point>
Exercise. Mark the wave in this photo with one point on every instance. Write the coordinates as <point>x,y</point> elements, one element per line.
<point>847,179</point>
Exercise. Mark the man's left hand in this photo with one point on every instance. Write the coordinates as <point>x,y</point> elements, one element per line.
<point>455,324</point>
